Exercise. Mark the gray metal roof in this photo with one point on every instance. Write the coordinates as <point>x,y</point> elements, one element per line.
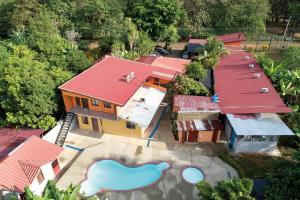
<point>258,124</point>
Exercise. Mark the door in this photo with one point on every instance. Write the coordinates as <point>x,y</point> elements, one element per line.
<point>77,101</point>
<point>193,136</point>
<point>55,167</point>
<point>85,103</point>
<point>95,124</point>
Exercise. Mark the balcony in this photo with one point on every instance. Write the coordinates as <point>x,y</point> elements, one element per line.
<point>93,113</point>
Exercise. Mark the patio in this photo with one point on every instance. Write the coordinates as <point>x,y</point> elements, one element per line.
<point>134,151</point>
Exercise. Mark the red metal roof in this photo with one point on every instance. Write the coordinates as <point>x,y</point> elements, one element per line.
<point>194,103</point>
<point>175,64</point>
<point>239,91</point>
<point>200,125</point>
<point>21,166</point>
<point>106,80</point>
<point>10,138</point>
<point>234,37</point>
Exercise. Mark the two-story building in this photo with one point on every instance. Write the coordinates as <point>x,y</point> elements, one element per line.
<point>115,96</point>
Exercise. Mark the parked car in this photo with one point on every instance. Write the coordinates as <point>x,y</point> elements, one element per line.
<point>161,51</point>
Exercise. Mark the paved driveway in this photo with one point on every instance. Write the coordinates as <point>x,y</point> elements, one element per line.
<point>133,151</point>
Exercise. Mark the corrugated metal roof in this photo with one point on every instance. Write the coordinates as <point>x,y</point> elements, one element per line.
<point>199,125</point>
<point>234,37</point>
<point>141,108</point>
<point>175,64</point>
<point>240,92</point>
<point>194,103</point>
<point>258,124</point>
<point>22,164</point>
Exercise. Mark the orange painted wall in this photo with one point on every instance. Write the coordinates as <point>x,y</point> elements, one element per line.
<point>233,43</point>
<point>69,101</point>
<point>149,84</point>
<point>203,136</point>
<point>161,81</point>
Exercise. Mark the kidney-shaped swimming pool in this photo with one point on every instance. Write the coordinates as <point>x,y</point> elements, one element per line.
<point>112,175</point>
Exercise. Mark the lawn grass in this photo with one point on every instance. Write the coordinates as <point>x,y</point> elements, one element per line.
<point>252,166</point>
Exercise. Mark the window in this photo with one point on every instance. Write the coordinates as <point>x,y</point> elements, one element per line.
<point>77,99</point>
<point>85,120</point>
<point>40,177</point>
<point>130,125</point>
<point>95,102</point>
<point>107,104</point>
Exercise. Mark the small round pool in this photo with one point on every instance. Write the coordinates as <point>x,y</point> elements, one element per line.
<point>192,174</point>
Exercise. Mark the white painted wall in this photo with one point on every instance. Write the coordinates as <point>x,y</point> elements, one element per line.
<point>52,134</point>
<point>254,146</point>
<point>48,173</point>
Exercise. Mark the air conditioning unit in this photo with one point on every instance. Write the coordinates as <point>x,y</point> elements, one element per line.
<point>251,65</point>
<point>246,57</point>
<point>264,90</point>
<point>256,75</point>
<point>129,77</point>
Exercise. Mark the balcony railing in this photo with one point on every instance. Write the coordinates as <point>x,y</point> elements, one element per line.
<point>93,113</point>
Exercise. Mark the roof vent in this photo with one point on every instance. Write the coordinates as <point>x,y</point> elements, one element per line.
<point>256,75</point>
<point>129,77</point>
<point>264,90</point>
<point>246,57</point>
<point>251,66</point>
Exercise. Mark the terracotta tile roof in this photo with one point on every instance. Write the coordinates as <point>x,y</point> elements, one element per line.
<point>21,166</point>
<point>240,92</point>
<point>10,138</point>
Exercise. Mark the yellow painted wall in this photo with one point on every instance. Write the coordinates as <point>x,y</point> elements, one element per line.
<point>85,126</point>
<point>119,128</point>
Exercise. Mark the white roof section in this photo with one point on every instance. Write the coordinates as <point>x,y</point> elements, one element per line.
<point>142,106</point>
<point>258,124</point>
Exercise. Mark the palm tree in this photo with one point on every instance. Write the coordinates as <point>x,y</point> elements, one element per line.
<point>53,193</point>
<point>211,53</point>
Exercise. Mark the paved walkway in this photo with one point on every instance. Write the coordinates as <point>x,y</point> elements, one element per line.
<point>134,151</point>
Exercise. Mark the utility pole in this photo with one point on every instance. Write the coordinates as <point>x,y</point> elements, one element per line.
<point>286,28</point>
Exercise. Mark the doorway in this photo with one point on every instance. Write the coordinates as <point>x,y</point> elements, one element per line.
<point>85,103</point>
<point>95,124</point>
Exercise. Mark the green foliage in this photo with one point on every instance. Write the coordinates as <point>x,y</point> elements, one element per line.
<point>239,15</point>
<point>196,70</point>
<point>52,192</point>
<point>157,16</point>
<point>233,189</point>
<point>209,55</point>
<point>144,45</point>
<point>291,58</point>
<point>96,19</point>
<point>284,185</point>
<point>188,86</point>
<point>27,90</point>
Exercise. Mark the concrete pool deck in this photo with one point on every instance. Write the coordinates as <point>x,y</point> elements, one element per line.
<point>134,151</point>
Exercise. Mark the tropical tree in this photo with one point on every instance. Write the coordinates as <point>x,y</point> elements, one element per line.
<point>52,192</point>
<point>238,15</point>
<point>196,70</point>
<point>288,180</point>
<point>188,86</point>
<point>156,16</point>
<point>233,189</point>
<point>211,53</point>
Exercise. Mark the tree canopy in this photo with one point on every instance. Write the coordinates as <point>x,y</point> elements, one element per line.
<point>233,189</point>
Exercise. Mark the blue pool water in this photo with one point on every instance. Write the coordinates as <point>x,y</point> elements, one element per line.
<point>112,175</point>
<point>192,175</point>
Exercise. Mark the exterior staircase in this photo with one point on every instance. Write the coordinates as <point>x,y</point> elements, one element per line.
<point>64,129</point>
